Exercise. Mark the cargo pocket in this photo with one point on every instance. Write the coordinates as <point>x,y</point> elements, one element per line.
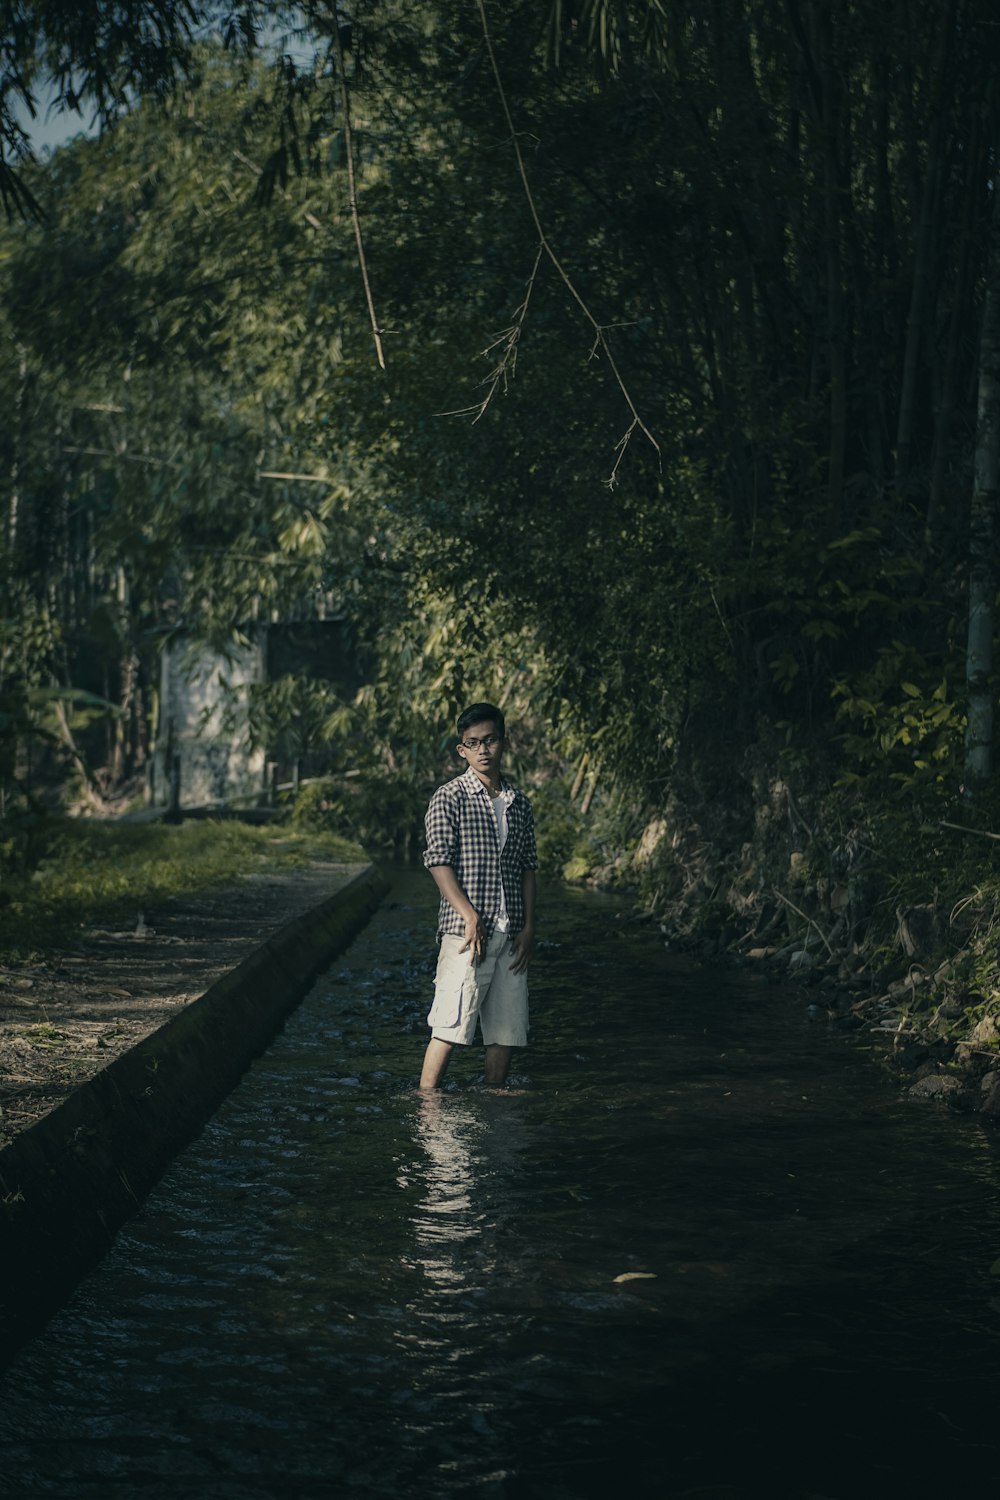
<point>452,985</point>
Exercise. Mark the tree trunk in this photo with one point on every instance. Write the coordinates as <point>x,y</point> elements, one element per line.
<point>825,88</point>
<point>14,501</point>
<point>957,328</point>
<point>836,307</point>
<point>982,587</point>
<point>921,290</point>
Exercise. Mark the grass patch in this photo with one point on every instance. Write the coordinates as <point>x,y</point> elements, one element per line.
<point>84,872</point>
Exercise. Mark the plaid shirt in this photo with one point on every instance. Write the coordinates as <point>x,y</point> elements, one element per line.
<point>462,832</point>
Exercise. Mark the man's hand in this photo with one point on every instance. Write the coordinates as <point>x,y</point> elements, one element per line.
<point>475,937</point>
<point>522,947</point>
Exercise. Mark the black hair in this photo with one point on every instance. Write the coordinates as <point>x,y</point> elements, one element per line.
<point>477,713</point>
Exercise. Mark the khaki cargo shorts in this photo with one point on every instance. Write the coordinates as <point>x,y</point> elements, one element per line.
<point>487,992</point>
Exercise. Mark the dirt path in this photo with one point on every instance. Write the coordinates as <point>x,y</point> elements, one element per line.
<point>63,1019</point>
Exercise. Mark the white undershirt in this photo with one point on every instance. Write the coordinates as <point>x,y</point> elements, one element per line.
<point>500,813</point>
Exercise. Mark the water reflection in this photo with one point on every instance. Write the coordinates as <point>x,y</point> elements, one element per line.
<point>473,1147</point>
<point>445,1220</point>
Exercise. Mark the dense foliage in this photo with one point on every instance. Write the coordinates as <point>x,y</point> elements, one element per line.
<point>708,489</point>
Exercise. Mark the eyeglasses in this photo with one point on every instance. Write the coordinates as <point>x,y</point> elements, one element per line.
<point>489,742</point>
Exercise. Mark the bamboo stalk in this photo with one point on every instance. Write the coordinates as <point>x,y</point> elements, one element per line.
<point>352,195</point>
<point>979,833</point>
<point>581,771</point>
<point>588,796</point>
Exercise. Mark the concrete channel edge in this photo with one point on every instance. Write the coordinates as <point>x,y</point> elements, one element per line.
<point>68,1182</point>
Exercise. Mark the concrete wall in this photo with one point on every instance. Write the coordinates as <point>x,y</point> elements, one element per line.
<point>70,1180</point>
<point>203,701</point>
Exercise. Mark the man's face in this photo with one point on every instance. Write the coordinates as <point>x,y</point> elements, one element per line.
<point>476,751</point>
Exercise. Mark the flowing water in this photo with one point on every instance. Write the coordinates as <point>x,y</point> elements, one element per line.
<point>701,1247</point>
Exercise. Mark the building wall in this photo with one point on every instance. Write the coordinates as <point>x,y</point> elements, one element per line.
<point>203,699</point>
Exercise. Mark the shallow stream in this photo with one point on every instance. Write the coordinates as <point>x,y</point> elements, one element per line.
<point>700,1248</point>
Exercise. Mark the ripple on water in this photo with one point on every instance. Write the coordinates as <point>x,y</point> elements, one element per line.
<point>344,1285</point>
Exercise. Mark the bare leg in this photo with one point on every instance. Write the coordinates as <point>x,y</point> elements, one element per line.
<point>497,1063</point>
<point>436,1060</point>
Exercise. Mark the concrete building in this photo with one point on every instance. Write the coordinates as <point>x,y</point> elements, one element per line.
<point>203,755</point>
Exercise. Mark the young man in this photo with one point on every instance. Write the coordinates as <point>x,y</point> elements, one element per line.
<point>481,853</point>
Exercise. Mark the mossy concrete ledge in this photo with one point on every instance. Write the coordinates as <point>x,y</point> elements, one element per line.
<point>68,1182</point>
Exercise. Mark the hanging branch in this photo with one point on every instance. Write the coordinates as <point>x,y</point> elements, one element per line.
<point>600,338</point>
<point>349,153</point>
<point>504,368</point>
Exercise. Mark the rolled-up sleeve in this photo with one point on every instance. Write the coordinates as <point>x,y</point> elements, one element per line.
<point>441,828</point>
